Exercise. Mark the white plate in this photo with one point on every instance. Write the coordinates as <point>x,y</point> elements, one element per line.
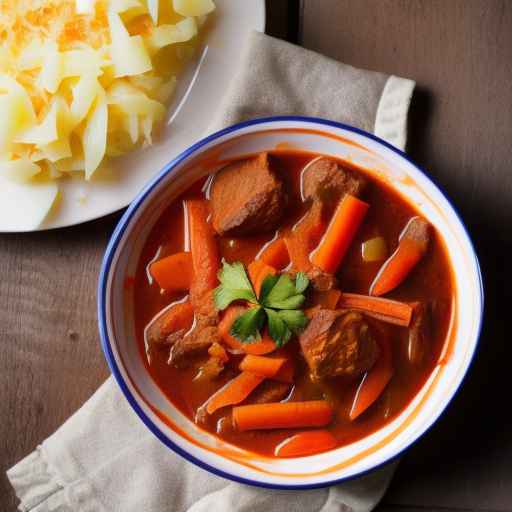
<point>200,89</point>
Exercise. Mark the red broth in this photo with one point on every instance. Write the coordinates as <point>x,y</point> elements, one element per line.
<point>431,281</point>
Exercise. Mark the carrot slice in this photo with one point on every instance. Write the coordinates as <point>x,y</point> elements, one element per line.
<point>173,272</point>
<point>314,413</point>
<point>306,443</point>
<point>374,381</point>
<point>258,271</point>
<point>234,392</point>
<point>264,346</point>
<point>387,310</point>
<point>412,245</point>
<point>205,253</point>
<point>261,365</point>
<point>276,254</point>
<point>344,224</point>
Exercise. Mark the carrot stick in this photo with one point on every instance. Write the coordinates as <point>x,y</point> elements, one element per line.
<point>396,268</point>
<point>306,443</point>
<point>258,271</point>
<point>178,316</point>
<point>412,245</point>
<point>314,413</point>
<point>234,392</point>
<point>261,365</point>
<point>173,272</point>
<point>205,253</point>
<point>387,310</point>
<point>275,254</point>
<point>264,346</point>
<point>374,381</point>
<point>339,235</point>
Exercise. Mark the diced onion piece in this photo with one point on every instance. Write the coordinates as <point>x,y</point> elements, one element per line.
<point>193,7</point>
<point>164,92</point>
<point>31,56</point>
<point>147,128</point>
<point>57,150</point>
<point>129,55</point>
<point>20,170</point>
<point>170,34</point>
<point>132,101</point>
<point>70,164</point>
<point>85,6</point>
<point>133,127</point>
<point>153,10</point>
<point>81,63</point>
<point>45,132</point>
<point>94,138</point>
<point>148,82</point>
<point>374,249</point>
<point>53,172</point>
<point>84,94</point>
<point>17,111</point>
<point>123,5</point>
<point>23,206</point>
<point>66,121</point>
<point>52,71</point>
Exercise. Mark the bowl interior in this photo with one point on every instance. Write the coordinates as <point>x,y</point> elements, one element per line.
<point>177,431</point>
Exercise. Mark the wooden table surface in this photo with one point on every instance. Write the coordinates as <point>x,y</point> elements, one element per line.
<point>460,54</point>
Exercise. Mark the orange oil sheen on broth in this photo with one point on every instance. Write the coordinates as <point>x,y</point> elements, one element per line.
<point>431,280</point>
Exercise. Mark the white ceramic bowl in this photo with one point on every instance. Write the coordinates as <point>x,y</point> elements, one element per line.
<point>115,305</point>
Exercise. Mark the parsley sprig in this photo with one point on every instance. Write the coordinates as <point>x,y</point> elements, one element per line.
<point>278,304</point>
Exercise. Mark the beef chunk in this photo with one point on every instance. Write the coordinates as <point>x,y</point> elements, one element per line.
<point>419,332</point>
<point>204,333</point>
<point>247,197</point>
<point>338,343</point>
<point>327,181</point>
<point>269,391</point>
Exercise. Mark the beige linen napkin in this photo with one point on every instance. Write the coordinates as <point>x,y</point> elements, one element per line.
<point>103,458</point>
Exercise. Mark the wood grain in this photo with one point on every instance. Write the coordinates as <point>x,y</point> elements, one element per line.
<point>460,54</point>
<point>50,358</point>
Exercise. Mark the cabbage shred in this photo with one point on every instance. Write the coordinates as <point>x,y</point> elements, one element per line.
<point>82,80</point>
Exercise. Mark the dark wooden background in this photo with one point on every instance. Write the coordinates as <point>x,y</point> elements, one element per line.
<point>460,54</point>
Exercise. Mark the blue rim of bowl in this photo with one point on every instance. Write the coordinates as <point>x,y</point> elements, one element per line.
<point>119,231</point>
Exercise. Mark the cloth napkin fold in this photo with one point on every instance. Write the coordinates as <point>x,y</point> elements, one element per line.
<point>103,458</point>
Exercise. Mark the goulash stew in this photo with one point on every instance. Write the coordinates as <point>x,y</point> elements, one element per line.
<point>292,304</point>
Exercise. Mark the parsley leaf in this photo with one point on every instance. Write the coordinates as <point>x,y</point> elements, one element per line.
<point>267,286</point>
<point>283,294</point>
<point>234,285</point>
<point>247,326</point>
<point>279,301</point>
<point>301,282</point>
<point>277,328</point>
<point>295,319</point>
<point>282,290</point>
